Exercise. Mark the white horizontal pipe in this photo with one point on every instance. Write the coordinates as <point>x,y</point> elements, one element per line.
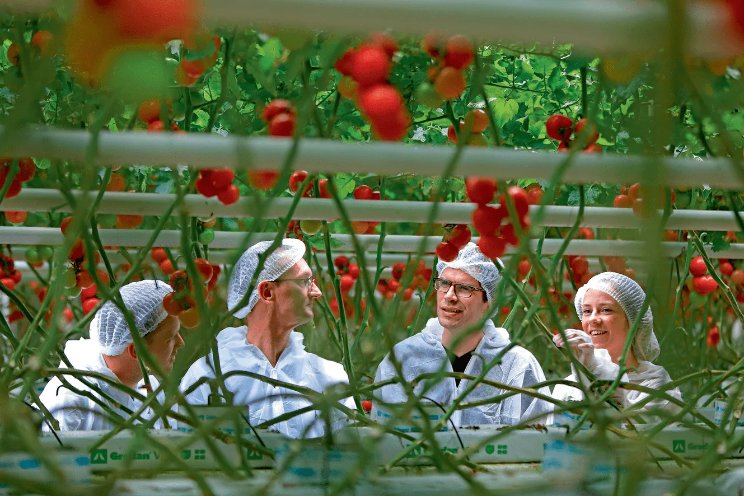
<point>316,155</point>
<point>368,242</point>
<point>44,200</point>
<point>591,26</point>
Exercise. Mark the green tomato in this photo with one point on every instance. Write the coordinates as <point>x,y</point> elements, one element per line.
<point>46,252</point>
<point>73,292</point>
<point>427,95</point>
<point>206,236</point>
<point>310,226</point>
<point>32,256</point>
<point>69,278</point>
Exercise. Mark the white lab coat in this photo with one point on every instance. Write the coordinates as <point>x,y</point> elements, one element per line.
<point>76,412</point>
<point>424,353</point>
<point>646,374</point>
<point>265,401</point>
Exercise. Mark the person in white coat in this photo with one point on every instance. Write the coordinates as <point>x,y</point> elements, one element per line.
<point>607,305</point>
<point>268,346</point>
<point>111,352</point>
<point>461,339</point>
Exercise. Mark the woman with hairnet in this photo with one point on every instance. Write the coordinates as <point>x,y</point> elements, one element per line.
<point>607,305</point>
<point>77,402</point>
<point>463,339</point>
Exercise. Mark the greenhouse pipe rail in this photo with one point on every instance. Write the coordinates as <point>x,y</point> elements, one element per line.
<point>50,200</point>
<point>368,242</point>
<point>591,26</point>
<point>317,155</point>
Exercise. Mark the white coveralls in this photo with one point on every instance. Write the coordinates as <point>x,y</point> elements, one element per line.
<point>266,401</point>
<point>646,374</point>
<point>424,353</point>
<point>75,412</point>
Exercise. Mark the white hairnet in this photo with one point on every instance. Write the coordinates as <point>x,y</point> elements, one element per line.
<point>144,299</point>
<point>280,261</point>
<point>474,263</point>
<point>630,296</point>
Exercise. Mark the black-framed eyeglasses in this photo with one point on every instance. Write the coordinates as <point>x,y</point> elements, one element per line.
<point>306,281</point>
<point>461,290</point>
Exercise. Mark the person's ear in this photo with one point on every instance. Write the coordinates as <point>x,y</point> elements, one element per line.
<point>266,290</point>
<point>131,351</point>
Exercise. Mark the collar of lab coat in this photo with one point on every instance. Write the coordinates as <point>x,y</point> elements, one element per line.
<point>84,354</point>
<point>494,337</point>
<point>234,339</point>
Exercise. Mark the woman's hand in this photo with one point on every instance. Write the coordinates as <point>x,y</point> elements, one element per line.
<point>580,343</point>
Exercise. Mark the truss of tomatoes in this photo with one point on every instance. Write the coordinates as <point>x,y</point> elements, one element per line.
<point>181,302</point>
<point>494,223</point>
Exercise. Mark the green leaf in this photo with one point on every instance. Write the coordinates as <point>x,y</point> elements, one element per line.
<point>504,111</point>
<point>345,184</point>
<point>718,241</point>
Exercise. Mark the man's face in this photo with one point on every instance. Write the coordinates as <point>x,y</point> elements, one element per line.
<point>294,302</point>
<point>164,342</point>
<point>458,314</point>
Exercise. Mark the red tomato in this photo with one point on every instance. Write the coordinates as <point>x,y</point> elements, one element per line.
<point>697,266</point>
<point>459,236</point>
<point>363,192</point>
<point>398,270</point>
<point>480,189</point>
<point>276,107</point>
<point>559,127</point>
<point>446,251</point>
<point>492,246</point>
<point>229,195</point>
<point>263,179</point>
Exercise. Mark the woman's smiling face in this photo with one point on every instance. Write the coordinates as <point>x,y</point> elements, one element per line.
<point>604,320</point>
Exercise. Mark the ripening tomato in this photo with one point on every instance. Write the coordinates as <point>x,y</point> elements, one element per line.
<point>480,189</point>
<point>492,246</point>
<point>459,236</point>
<point>296,179</point>
<point>363,192</point>
<point>559,127</point>
<point>229,195</point>
<point>698,267</point>
<point>263,179</point>
<point>398,270</point>
<point>446,251</point>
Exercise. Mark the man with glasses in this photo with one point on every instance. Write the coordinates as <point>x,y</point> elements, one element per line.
<point>463,339</point>
<point>267,346</point>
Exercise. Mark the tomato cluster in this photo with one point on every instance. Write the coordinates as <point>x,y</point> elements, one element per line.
<point>579,272</point>
<point>181,301</point>
<point>365,72</point>
<point>561,128</point>
<point>77,276</point>
<point>26,171</point>
<point>280,116</point>
<point>421,277</point>
<point>89,298</point>
<point>632,197</point>
<point>364,192</point>
<point>149,112</point>
<point>218,182</point>
<point>702,282</point>
<point>475,122</point>
<point>452,55</point>
<point>9,276</point>
<point>41,40</point>
<point>454,241</point>
<point>194,62</point>
<point>494,224</point>
<point>349,273</point>
<point>99,31</point>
